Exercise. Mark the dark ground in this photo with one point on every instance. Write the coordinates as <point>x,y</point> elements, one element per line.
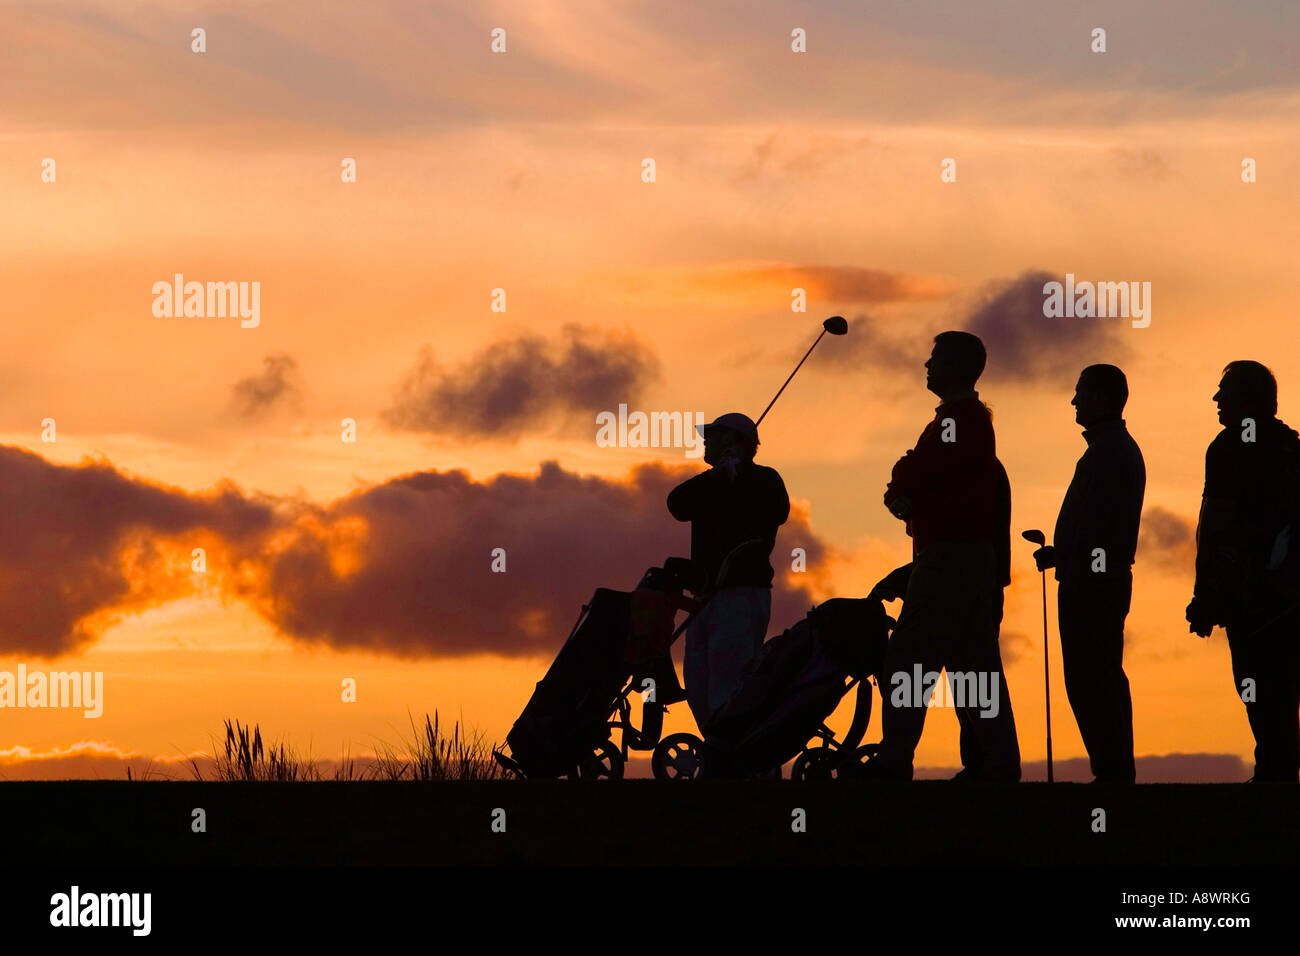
<point>633,822</point>
<point>938,862</point>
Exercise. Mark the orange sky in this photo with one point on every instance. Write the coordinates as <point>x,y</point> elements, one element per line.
<point>522,171</point>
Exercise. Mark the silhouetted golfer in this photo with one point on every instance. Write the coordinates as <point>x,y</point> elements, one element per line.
<point>734,502</point>
<point>894,586</point>
<point>1092,551</point>
<point>1247,561</point>
<point>952,492</point>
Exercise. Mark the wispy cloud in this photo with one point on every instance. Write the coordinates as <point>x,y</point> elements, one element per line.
<point>276,384</point>
<point>847,285</point>
<point>1167,539</point>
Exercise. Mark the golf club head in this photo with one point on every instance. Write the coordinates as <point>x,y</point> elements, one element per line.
<point>836,325</point>
<point>1034,535</point>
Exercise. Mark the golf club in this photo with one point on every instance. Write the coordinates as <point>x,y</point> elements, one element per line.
<point>1036,537</point>
<point>835,325</point>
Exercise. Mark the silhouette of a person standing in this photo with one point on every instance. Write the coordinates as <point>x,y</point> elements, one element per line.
<point>1092,550</point>
<point>1247,553</point>
<point>952,493</point>
<point>894,586</point>
<point>734,509</point>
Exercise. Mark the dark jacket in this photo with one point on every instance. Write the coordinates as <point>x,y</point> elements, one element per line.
<point>1102,506</point>
<point>1002,528</point>
<point>956,487</point>
<point>1261,480</point>
<point>724,514</point>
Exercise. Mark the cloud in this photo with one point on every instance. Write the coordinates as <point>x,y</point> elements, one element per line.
<point>1167,539</point>
<point>1024,345</point>
<point>1141,163</point>
<point>276,383</point>
<point>783,153</point>
<point>523,383</point>
<point>367,67</point>
<point>104,760</point>
<point>80,544</point>
<point>840,284</point>
<point>403,567</point>
<point>1014,645</point>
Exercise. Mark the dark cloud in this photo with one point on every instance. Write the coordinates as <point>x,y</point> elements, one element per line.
<point>1024,345</point>
<point>81,542</point>
<point>1014,646</point>
<point>403,567</point>
<point>417,578</point>
<point>1167,539</point>
<point>524,382</point>
<point>277,382</point>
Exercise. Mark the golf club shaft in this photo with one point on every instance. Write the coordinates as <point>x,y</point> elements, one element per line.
<point>1047,683</point>
<point>787,381</point>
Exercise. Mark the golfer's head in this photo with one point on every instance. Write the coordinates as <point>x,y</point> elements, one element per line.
<point>1100,394</point>
<point>955,364</point>
<point>1247,390</point>
<point>732,435</point>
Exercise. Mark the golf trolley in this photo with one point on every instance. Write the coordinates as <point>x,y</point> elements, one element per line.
<point>792,686</point>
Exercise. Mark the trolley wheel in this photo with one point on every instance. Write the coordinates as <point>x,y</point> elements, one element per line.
<point>678,757</point>
<point>815,763</point>
<point>604,762</point>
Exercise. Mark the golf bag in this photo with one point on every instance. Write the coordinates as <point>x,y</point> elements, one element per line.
<point>621,640</point>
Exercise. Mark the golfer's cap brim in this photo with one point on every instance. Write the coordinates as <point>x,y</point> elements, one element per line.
<point>742,431</point>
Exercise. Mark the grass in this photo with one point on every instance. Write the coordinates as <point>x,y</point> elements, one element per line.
<point>245,757</point>
<point>430,754</point>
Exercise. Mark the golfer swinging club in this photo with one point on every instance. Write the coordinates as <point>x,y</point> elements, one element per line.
<point>736,501</point>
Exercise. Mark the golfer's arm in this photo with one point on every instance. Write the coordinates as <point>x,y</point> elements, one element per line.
<point>1215,546</point>
<point>779,503</point>
<point>687,500</point>
<point>1112,513</point>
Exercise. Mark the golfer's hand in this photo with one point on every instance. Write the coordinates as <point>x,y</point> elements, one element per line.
<point>1199,619</point>
<point>901,508</point>
<point>893,585</point>
<point>1045,557</point>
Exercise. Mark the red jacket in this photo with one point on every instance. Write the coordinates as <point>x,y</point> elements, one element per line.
<point>954,479</point>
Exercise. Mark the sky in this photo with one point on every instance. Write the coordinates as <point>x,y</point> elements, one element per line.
<point>523,171</point>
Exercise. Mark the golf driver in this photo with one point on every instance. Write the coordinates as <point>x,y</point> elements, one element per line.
<point>1036,537</point>
<point>835,325</point>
